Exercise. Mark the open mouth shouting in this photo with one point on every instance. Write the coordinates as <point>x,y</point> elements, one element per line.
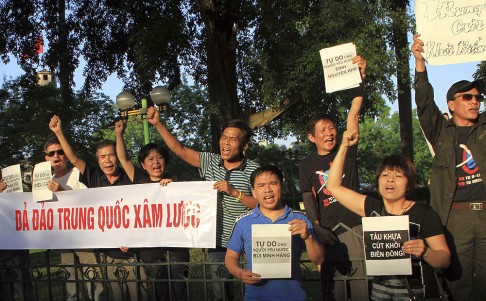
<point>157,170</point>
<point>109,168</point>
<point>225,152</point>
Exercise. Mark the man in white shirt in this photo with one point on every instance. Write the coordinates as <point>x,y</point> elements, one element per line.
<point>66,177</point>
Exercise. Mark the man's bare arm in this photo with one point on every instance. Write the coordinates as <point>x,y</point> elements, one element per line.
<point>55,126</point>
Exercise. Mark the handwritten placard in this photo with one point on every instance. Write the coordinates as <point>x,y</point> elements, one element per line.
<point>271,250</point>
<point>383,238</point>
<point>453,31</point>
<point>40,178</point>
<point>13,178</point>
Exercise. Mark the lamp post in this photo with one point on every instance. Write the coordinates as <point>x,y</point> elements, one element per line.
<point>125,101</point>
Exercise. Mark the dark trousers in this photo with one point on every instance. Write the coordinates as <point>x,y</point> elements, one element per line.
<point>222,290</point>
<point>337,263</point>
<point>15,277</point>
<point>177,289</point>
<point>466,276</point>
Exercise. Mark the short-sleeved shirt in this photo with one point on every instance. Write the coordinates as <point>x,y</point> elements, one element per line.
<point>140,176</point>
<point>271,289</point>
<point>94,177</point>
<point>70,181</point>
<point>228,208</point>
<point>152,254</point>
<point>423,221</point>
<point>313,172</point>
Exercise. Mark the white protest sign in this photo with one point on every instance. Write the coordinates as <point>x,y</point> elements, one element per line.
<point>40,178</point>
<point>13,178</point>
<point>383,238</point>
<point>271,250</point>
<point>453,31</point>
<point>181,214</point>
<point>339,71</point>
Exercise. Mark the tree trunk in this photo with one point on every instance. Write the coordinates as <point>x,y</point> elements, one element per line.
<point>220,19</point>
<point>400,42</point>
<point>65,73</point>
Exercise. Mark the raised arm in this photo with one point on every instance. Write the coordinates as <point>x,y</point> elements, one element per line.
<point>417,50</point>
<point>187,154</point>
<point>121,151</point>
<point>431,119</point>
<point>55,126</point>
<point>349,198</point>
<point>352,122</point>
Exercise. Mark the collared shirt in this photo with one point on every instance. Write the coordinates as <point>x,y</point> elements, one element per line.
<point>271,289</point>
<point>228,208</point>
<point>94,177</point>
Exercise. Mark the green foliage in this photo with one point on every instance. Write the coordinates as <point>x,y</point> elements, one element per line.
<point>276,45</point>
<point>184,119</point>
<point>288,161</point>
<point>25,115</point>
<point>481,72</point>
<point>289,35</point>
<point>380,137</point>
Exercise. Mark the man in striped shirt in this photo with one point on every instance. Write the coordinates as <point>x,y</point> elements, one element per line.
<point>231,170</point>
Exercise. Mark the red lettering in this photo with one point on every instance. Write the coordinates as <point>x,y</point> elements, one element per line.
<point>21,220</point>
<point>195,221</point>
<point>35,220</point>
<point>146,217</point>
<point>126,221</point>
<point>168,224</point>
<point>18,220</point>
<point>176,221</point>
<point>157,215</point>
<point>25,219</point>
<point>67,219</point>
<point>138,221</point>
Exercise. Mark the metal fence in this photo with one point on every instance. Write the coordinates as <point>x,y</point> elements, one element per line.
<point>40,275</point>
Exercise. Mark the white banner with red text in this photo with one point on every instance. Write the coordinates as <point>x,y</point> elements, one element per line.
<point>181,214</point>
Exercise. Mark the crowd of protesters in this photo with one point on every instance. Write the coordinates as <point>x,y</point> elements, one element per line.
<point>445,236</point>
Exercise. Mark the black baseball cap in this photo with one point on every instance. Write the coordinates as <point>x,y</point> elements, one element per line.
<point>465,85</point>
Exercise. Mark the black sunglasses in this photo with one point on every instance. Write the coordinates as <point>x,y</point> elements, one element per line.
<point>60,152</point>
<point>469,96</point>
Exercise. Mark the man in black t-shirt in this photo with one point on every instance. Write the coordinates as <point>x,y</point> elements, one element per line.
<point>325,212</point>
<point>108,173</point>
